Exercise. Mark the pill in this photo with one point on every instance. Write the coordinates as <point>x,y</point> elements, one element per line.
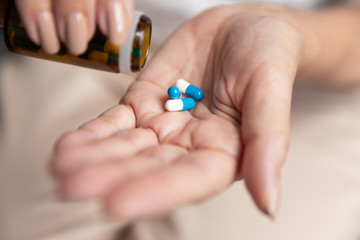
<point>189,89</point>
<point>136,53</point>
<point>182,104</point>
<point>174,92</point>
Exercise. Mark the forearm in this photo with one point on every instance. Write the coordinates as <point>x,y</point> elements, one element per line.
<point>331,45</point>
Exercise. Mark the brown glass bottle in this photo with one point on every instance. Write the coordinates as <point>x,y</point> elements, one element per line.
<point>101,54</point>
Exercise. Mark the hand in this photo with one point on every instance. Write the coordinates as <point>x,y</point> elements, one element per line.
<point>142,161</point>
<point>74,22</point>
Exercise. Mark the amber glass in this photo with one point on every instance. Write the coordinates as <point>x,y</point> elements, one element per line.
<point>100,54</point>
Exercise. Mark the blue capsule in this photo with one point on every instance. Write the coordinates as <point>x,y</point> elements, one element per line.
<point>190,90</point>
<point>174,92</point>
<point>182,104</point>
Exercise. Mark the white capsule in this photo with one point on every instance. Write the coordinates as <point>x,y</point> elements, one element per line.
<point>190,90</point>
<point>182,85</point>
<point>181,104</point>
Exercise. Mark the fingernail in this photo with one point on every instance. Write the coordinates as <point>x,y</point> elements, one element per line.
<point>115,22</point>
<point>47,32</point>
<point>76,33</point>
<point>34,36</point>
<point>273,201</point>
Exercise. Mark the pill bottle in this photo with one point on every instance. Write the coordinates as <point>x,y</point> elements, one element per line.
<point>128,58</point>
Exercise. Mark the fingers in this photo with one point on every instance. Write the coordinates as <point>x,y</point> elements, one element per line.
<point>74,22</point>
<point>114,18</point>
<point>151,179</point>
<point>260,71</point>
<point>111,121</point>
<point>97,180</point>
<point>197,176</point>
<point>47,21</point>
<point>266,112</point>
<point>123,144</point>
<point>117,119</point>
<point>39,22</point>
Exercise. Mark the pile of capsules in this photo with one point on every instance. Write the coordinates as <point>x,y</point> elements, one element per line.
<point>176,103</point>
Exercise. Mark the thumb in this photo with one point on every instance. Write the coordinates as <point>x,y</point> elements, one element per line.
<point>266,130</point>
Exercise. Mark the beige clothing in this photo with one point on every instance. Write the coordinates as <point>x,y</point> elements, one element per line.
<point>41,100</point>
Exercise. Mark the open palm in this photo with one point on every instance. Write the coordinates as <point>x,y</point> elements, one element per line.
<point>142,161</point>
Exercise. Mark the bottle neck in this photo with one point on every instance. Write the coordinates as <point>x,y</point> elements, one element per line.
<point>3,7</point>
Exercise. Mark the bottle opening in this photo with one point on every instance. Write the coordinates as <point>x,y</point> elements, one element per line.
<point>141,44</point>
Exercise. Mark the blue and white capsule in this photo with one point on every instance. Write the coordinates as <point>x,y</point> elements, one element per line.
<point>190,90</point>
<point>181,104</point>
<point>174,92</point>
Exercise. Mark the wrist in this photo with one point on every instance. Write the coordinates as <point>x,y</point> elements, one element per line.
<point>329,51</point>
<point>299,25</point>
<point>311,47</point>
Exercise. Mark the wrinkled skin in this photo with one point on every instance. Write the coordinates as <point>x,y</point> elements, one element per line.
<point>141,161</point>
